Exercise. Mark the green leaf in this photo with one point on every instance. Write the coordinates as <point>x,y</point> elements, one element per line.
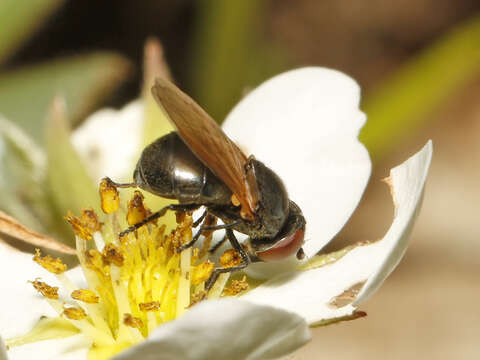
<point>19,19</point>
<point>83,80</point>
<point>69,185</point>
<point>400,106</point>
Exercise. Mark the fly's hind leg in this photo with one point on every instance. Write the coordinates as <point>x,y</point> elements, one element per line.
<point>246,260</point>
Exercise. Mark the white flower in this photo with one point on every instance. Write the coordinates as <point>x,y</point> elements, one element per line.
<point>109,141</point>
<point>303,124</point>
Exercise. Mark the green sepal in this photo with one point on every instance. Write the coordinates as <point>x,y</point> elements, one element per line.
<point>69,185</point>
<point>22,176</point>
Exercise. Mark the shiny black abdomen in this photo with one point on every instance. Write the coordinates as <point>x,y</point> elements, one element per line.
<point>169,169</point>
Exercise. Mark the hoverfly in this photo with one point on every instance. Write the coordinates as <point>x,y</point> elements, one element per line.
<point>198,165</point>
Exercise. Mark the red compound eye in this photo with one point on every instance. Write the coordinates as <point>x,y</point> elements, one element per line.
<point>284,248</point>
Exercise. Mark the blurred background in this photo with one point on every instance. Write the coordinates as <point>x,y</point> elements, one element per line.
<point>418,63</point>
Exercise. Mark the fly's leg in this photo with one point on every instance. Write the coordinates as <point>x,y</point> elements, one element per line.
<point>160,213</point>
<point>204,228</point>
<point>243,254</point>
<point>200,219</point>
<point>217,245</point>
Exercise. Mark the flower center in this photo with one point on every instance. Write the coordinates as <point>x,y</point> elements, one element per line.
<point>135,282</point>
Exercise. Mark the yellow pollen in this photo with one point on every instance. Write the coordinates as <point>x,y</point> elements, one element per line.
<point>150,306</point>
<point>74,313</point>
<point>50,292</point>
<point>134,283</point>
<point>85,295</point>
<point>236,287</point>
<point>137,211</point>
<point>199,296</point>
<point>132,321</point>
<point>230,258</point>
<point>112,255</point>
<point>109,196</point>
<point>202,272</point>
<point>86,225</point>
<point>180,217</point>
<point>55,266</point>
<point>94,260</point>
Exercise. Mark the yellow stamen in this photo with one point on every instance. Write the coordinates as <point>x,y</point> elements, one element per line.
<point>135,283</point>
<point>236,287</point>
<point>202,272</point>
<point>184,282</point>
<point>86,225</point>
<point>50,292</point>
<point>137,211</point>
<point>218,287</point>
<point>132,321</point>
<point>74,313</point>
<point>230,258</point>
<point>109,196</point>
<point>86,296</point>
<point>112,255</point>
<point>55,266</point>
<point>150,306</point>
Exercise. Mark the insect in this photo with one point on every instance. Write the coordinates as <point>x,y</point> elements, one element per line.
<point>198,165</point>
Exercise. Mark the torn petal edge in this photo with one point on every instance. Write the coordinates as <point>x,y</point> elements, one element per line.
<point>407,182</point>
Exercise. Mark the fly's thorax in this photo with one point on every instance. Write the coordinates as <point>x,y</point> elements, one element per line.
<point>272,211</point>
<point>168,168</point>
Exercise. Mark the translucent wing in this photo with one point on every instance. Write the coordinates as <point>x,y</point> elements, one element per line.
<point>209,143</point>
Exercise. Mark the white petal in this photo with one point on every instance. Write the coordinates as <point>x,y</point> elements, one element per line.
<point>21,306</point>
<point>304,124</point>
<point>71,348</point>
<point>309,293</point>
<point>407,183</point>
<point>109,141</point>
<point>224,329</point>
